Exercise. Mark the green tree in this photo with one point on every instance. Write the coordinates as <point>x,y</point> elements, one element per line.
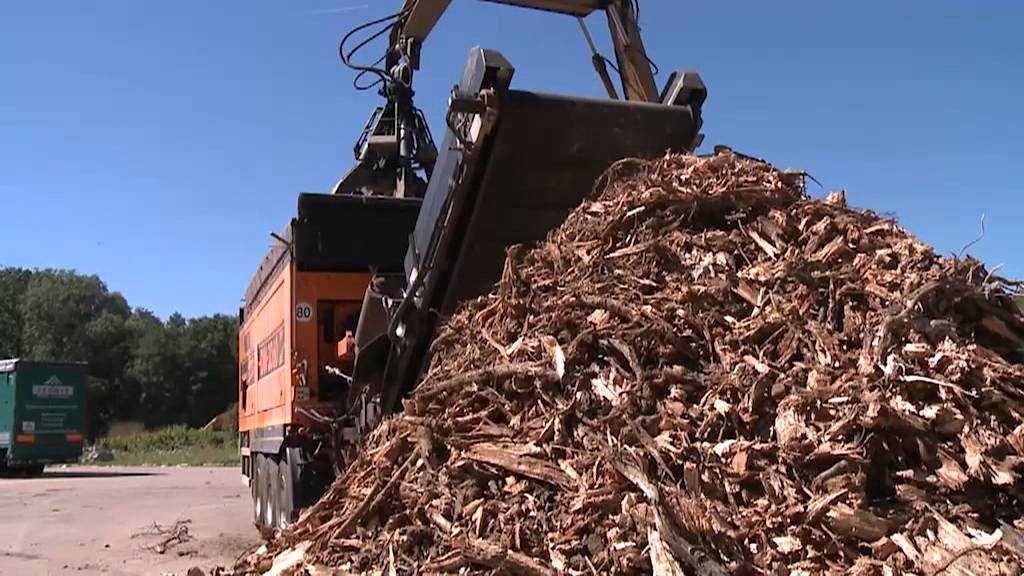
<point>210,348</point>
<point>13,282</point>
<point>154,367</point>
<point>56,308</point>
<point>145,334</point>
<point>140,367</point>
<point>106,339</point>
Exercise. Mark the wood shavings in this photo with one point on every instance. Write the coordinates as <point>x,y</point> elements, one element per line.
<point>713,373</point>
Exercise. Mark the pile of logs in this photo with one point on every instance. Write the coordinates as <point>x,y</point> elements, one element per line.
<point>703,371</point>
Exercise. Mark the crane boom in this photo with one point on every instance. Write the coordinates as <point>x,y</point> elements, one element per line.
<point>634,67</point>
<point>396,146</point>
<point>424,14</point>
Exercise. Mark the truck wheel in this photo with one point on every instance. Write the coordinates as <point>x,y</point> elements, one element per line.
<point>268,474</point>
<point>256,487</point>
<point>286,492</point>
<point>274,490</point>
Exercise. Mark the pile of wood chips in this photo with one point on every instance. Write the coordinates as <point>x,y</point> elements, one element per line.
<point>703,371</point>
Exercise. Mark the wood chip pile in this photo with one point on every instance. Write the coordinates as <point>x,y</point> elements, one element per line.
<point>703,371</point>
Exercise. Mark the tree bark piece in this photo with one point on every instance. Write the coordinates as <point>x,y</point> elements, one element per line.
<point>431,391</point>
<point>514,461</point>
<point>502,559</point>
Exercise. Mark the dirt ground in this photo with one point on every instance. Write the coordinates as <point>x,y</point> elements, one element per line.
<point>87,520</point>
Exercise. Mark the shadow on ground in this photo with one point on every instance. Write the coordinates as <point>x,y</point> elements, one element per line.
<point>58,474</point>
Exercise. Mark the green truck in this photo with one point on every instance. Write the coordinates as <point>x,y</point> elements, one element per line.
<point>42,414</point>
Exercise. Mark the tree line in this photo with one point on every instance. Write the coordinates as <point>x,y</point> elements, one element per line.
<point>178,371</point>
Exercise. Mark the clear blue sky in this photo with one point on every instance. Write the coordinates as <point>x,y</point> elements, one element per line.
<point>157,143</point>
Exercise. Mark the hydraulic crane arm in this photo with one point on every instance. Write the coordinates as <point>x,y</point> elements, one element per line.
<point>396,145</point>
<point>634,67</point>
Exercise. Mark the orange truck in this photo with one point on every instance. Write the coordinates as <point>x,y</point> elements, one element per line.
<point>296,342</point>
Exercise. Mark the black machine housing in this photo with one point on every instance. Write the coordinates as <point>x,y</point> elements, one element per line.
<point>512,165</point>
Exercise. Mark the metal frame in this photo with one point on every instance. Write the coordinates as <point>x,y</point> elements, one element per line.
<point>512,166</point>
<point>635,73</point>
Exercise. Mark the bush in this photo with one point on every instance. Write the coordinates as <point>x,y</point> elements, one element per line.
<point>170,439</point>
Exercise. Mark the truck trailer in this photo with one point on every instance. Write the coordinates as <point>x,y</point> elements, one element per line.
<point>296,342</point>
<point>42,414</point>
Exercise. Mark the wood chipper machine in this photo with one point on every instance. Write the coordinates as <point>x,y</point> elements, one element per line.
<point>339,318</point>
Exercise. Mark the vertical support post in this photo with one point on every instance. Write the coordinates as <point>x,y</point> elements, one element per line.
<point>598,61</point>
<point>634,67</point>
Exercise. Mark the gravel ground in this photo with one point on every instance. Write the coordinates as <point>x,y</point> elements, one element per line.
<point>108,520</point>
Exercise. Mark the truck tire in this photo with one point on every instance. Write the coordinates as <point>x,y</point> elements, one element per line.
<point>265,491</point>
<point>270,489</point>
<point>256,488</point>
<point>274,491</point>
<point>286,491</point>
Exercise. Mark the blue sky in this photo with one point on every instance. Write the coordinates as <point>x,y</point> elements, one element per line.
<point>157,144</point>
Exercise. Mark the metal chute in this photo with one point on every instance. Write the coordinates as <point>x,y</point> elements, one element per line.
<point>513,165</point>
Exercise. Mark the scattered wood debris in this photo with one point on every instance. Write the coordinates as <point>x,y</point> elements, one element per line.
<point>167,537</point>
<point>702,371</point>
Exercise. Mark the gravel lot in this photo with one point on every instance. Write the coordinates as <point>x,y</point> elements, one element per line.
<point>97,520</point>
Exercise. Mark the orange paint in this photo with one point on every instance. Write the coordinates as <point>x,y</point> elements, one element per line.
<point>282,344</point>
